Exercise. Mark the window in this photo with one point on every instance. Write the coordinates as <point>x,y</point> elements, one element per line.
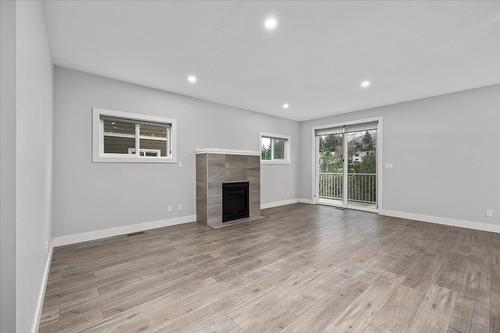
<point>126,137</point>
<point>274,149</point>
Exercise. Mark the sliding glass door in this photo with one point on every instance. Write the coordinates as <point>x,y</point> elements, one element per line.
<point>331,167</point>
<point>346,165</point>
<point>362,168</point>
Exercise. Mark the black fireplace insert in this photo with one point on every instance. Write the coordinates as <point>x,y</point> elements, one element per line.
<point>234,201</point>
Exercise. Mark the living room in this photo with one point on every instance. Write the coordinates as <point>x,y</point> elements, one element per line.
<point>250,166</point>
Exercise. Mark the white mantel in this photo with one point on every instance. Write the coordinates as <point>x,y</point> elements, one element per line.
<point>226,151</point>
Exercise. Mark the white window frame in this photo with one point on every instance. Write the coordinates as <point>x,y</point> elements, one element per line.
<point>288,145</point>
<point>98,138</point>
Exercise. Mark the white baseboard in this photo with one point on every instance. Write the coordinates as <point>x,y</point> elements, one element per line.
<point>104,233</point>
<point>442,220</point>
<point>432,219</point>
<point>278,203</point>
<point>41,293</point>
<point>306,201</point>
<point>284,202</point>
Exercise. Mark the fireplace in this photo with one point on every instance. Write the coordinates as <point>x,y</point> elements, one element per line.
<point>222,170</point>
<point>235,203</point>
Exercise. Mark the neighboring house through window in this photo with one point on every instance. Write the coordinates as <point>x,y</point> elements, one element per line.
<point>127,137</point>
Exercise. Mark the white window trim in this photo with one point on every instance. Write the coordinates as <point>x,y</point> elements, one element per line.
<point>98,138</point>
<point>288,145</point>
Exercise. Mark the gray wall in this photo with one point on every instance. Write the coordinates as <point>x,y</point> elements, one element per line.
<point>7,166</point>
<point>92,196</point>
<point>445,154</point>
<point>34,158</point>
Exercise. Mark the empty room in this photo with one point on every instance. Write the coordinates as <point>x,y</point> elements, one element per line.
<point>249,166</point>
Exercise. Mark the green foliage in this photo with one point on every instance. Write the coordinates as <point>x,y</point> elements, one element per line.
<point>369,163</point>
<point>330,150</point>
<point>364,146</point>
<point>368,143</point>
<point>266,153</point>
<point>330,163</point>
<point>331,143</point>
<point>279,149</point>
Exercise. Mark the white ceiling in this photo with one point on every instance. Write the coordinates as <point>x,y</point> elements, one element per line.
<point>315,59</point>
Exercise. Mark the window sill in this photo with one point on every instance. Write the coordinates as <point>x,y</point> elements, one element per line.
<point>102,159</point>
<point>275,162</point>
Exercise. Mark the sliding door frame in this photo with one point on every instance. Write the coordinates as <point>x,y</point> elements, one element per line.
<point>315,163</point>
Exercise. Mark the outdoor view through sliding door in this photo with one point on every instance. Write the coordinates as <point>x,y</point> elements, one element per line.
<point>347,165</point>
<point>362,168</point>
<point>331,167</point>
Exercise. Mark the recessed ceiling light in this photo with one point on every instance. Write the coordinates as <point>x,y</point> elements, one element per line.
<point>271,23</point>
<point>192,79</point>
<point>365,84</point>
<point>286,106</point>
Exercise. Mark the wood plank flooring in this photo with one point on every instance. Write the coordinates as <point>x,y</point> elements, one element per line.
<point>304,268</point>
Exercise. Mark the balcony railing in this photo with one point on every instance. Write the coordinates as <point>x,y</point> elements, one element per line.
<point>361,187</point>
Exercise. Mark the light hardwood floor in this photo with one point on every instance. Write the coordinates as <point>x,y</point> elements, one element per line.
<point>303,269</point>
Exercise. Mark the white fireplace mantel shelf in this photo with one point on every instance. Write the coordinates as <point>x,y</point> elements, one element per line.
<point>227,151</point>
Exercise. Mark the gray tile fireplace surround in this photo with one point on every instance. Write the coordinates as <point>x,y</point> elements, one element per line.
<point>215,167</point>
